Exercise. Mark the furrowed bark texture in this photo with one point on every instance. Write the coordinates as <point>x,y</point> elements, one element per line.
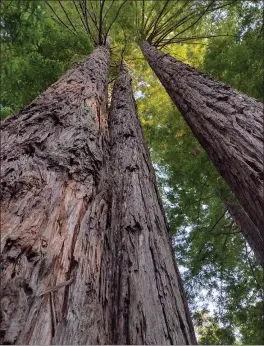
<point>86,256</point>
<point>148,305</point>
<point>249,230</point>
<point>54,211</point>
<point>228,124</point>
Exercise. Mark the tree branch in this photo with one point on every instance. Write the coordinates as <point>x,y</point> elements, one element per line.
<point>74,29</point>
<point>190,26</point>
<point>81,18</point>
<point>169,24</point>
<point>109,7</point>
<point>251,266</point>
<point>115,18</point>
<point>94,20</point>
<point>184,39</point>
<point>100,33</point>
<point>157,20</point>
<point>173,26</point>
<point>58,18</point>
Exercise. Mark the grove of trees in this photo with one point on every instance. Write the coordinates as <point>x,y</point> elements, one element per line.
<point>90,235</point>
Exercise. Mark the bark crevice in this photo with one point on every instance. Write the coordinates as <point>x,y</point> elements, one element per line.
<point>87,257</point>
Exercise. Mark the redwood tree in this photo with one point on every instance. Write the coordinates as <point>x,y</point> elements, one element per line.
<point>228,124</point>
<point>86,256</point>
<point>147,304</point>
<point>53,210</point>
<point>86,253</point>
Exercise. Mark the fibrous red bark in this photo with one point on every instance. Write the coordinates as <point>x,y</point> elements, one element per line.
<point>148,305</point>
<point>86,254</point>
<point>53,211</point>
<point>228,124</point>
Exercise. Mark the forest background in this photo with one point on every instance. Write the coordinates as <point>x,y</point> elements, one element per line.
<point>222,278</point>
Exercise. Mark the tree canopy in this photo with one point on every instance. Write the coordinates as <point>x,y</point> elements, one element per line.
<point>42,39</point>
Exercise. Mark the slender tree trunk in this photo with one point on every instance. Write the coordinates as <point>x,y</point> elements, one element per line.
<point>53,211</point>
<point>249,230</point>
<point>228,124</point>
<point>147,304</point>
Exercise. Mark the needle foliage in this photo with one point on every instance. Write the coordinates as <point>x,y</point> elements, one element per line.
<point>42,39</point>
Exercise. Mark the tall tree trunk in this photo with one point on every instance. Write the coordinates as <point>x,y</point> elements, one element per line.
<point>248,229</point>
<point>53,211</point>
<point>228,124</point>
<point>147,305</point>
<point>86,256</point>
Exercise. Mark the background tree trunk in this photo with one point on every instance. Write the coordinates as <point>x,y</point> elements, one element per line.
<point>147,304</point>
<point>53,211</point>
<point>228,124</point>
<point>249,230</point>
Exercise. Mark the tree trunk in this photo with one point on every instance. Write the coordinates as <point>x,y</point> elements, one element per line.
<point>86,255</point>
<point>147,305</point>
<point>228,124</point>
<point>53,211</point>
<point>249,230</point>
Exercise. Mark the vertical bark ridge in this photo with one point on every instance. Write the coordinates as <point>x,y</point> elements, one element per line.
<point>53,210</point>
<point>148,303</point>
<point>228,124</point>
<point>86,256</point>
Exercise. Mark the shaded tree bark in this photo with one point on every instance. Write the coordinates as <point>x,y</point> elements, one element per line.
<point>228,124</point>
<point>248,229</point>
<point>147,305</point>
<point>54,209</point>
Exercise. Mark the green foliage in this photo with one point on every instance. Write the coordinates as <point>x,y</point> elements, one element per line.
<point>35,53</point>
<point>220,273</point>
<point>210,332</point>
<point>18,20</point>
<point>238,60</point>
<point>251,322</point>
<point>5,111</point>
<point>215,262</point>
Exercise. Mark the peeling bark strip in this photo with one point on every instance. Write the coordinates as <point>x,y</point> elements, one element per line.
<point>249,230</point>
<point>228,124</point>
<point>147,305</point>
<point>53,211</point>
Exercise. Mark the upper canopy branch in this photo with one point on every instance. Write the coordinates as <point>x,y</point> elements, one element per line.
<point>96,18</point>
<point>164,22</point>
